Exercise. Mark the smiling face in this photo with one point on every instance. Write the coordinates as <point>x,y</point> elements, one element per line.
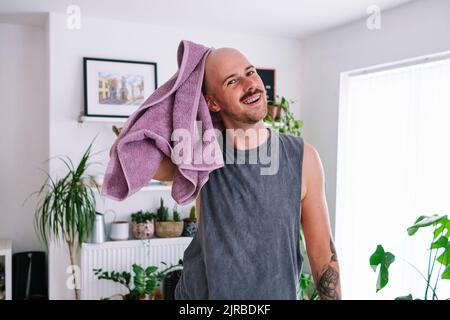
<point>234,89</point>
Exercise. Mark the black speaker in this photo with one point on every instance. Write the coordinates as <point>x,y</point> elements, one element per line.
<point>29,277</point>
<point>169,284</point>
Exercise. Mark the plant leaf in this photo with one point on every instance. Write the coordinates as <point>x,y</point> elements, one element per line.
<point>444,258</point>
<point>384,259</point>
<point>446,274</point>
<point>150,270</point>
<point>425,221</point>
<point>438,231</point>
<point>137,269</point>
<point>442,242</point>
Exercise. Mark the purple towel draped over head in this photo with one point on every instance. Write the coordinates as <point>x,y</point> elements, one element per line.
<point>146,137</point>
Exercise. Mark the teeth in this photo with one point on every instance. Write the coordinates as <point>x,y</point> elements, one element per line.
<point>252,99</point>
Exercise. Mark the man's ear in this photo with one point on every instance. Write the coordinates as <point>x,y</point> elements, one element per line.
<point>212,104</point>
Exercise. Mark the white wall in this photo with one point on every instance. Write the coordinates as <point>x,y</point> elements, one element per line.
<point>413,30</point>
<point>133,41</point>
<point>24,143</point>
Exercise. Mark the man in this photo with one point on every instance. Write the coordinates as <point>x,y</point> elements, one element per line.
<point>247,244</point>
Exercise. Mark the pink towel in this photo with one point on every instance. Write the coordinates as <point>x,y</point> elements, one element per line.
<point>146,136</point>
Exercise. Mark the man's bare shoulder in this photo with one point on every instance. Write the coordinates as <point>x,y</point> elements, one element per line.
<point>312,171</point>
<point>310,154</point>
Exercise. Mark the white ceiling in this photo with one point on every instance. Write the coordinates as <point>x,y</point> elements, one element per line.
<point>286,18</point>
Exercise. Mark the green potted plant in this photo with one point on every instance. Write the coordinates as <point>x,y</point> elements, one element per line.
<point>190,224</point>
<point>142,224</point>
<point>145,281</point>
<point>176,214</point>
<point>165,228</point>
<point>282,120</point>
<point>66,210</point>
<point>307,288</point>
<point>439,254</point>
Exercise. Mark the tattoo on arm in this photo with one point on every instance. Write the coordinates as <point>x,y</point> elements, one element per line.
<point>328,283</point>
<point>333,251</point>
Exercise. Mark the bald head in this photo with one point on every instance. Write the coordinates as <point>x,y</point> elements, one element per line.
<point>233,88</point>
<point>217,62</point>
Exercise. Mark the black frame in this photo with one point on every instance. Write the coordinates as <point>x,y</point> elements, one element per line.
<point>85,59</point>
<point>268,77</point>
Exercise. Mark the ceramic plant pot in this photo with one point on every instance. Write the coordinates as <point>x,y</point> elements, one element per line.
<point>190,227</point>
<point>169,229</point>
<point>273,111</point>
<point>144,230</point>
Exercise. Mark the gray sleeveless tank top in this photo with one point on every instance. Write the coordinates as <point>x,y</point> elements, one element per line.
<point>247,243</point>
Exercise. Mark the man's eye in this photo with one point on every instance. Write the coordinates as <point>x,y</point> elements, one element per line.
<point>251,72</point>
<point>231,82</point>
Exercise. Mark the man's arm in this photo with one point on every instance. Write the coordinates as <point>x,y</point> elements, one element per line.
<point>198,204</point>
<point>316,228</point>
<point>166,170</point>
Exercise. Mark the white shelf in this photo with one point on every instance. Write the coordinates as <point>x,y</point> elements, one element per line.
<point>83,119</point>
<point>6,250</point>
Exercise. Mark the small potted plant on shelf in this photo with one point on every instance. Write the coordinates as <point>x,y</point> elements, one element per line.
<point>190,224</point>
<point>145,281</point>
<point>142,224</point>
<point>165,228</point>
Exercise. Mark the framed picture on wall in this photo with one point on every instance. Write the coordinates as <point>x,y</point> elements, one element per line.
<point>116,88</point>
<point>268,78</point>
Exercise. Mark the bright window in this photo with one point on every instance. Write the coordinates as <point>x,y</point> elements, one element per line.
<point>393,166</point>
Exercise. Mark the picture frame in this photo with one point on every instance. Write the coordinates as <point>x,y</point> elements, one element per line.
<point>117,88</point>
<point>268,78</point>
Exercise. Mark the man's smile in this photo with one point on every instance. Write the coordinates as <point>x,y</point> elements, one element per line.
<point>253,100</point>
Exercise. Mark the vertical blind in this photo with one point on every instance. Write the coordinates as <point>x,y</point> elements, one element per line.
<point>393,166</point>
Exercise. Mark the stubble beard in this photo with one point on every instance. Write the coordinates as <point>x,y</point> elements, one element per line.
<point>249,117</point>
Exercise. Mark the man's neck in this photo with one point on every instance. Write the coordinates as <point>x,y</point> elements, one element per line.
<point>248,136</point>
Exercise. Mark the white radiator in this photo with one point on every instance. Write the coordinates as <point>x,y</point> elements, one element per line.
<point>120,256</point>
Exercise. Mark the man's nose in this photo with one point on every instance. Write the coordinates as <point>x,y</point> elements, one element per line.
<point>249,84</point>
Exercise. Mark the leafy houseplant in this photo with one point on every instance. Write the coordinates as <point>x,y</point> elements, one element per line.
<point>285,122</point>
<point>164,227</point>
<point>307,289</point>
<point>162,214</point>
<point>176,214</point>
<point>142,224</point>
<point>306,286</point>
<point>190,224</point>
<point>439,251</point>
<point>66,209</point>
<point>145,281</point>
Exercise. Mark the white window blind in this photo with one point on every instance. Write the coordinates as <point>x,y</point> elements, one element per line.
<point>393,166</point>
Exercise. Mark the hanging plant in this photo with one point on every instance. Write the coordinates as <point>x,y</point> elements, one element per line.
<point>284,121</point>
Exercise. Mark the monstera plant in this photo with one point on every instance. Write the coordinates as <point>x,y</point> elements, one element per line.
<point>439,255</point>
